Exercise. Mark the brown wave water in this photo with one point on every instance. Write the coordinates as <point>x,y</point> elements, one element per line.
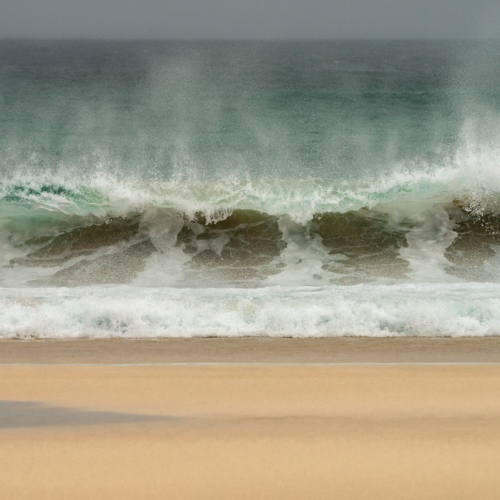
<point>248,246</point>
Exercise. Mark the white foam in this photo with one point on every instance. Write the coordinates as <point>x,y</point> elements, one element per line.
<point>471,309</point>
<point>427,243</point>
<point>301,261</point>
<point>472,175</point>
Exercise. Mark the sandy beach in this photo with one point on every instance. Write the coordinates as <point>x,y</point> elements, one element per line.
<point>247,431</point>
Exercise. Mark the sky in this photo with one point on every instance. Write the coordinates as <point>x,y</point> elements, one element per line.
<point>250,19</point>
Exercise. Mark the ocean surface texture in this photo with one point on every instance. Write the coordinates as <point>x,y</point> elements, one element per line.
<point>154,189</point>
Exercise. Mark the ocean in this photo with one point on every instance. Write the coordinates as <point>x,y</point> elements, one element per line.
<point>308,189</point>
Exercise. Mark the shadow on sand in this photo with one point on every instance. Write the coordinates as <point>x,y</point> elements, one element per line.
<point>22,414</point>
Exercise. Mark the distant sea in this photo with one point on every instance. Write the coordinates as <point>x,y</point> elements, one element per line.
<point>155,189</point>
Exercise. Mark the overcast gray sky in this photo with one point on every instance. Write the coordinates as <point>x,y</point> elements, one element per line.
<point>250,19</point>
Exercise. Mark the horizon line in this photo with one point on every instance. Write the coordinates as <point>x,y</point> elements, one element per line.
<point>275,40</point>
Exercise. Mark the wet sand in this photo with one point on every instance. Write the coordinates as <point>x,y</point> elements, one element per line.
<point>254,350</point>
<point>257,432</point>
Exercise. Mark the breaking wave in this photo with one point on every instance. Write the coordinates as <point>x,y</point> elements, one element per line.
<point>424,227</point>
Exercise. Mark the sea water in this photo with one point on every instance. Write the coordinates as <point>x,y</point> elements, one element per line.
<point>155,189</point>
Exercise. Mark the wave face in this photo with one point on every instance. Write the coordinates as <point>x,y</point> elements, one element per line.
<point>251,234</point>
<point>237,203</point>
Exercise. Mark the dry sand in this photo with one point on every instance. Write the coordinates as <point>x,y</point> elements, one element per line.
<point>256,432</point>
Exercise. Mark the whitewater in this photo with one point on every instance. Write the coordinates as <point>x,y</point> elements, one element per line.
<point>182,189</point>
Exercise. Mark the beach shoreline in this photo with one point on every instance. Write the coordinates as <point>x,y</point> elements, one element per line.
<point>253,350</point>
